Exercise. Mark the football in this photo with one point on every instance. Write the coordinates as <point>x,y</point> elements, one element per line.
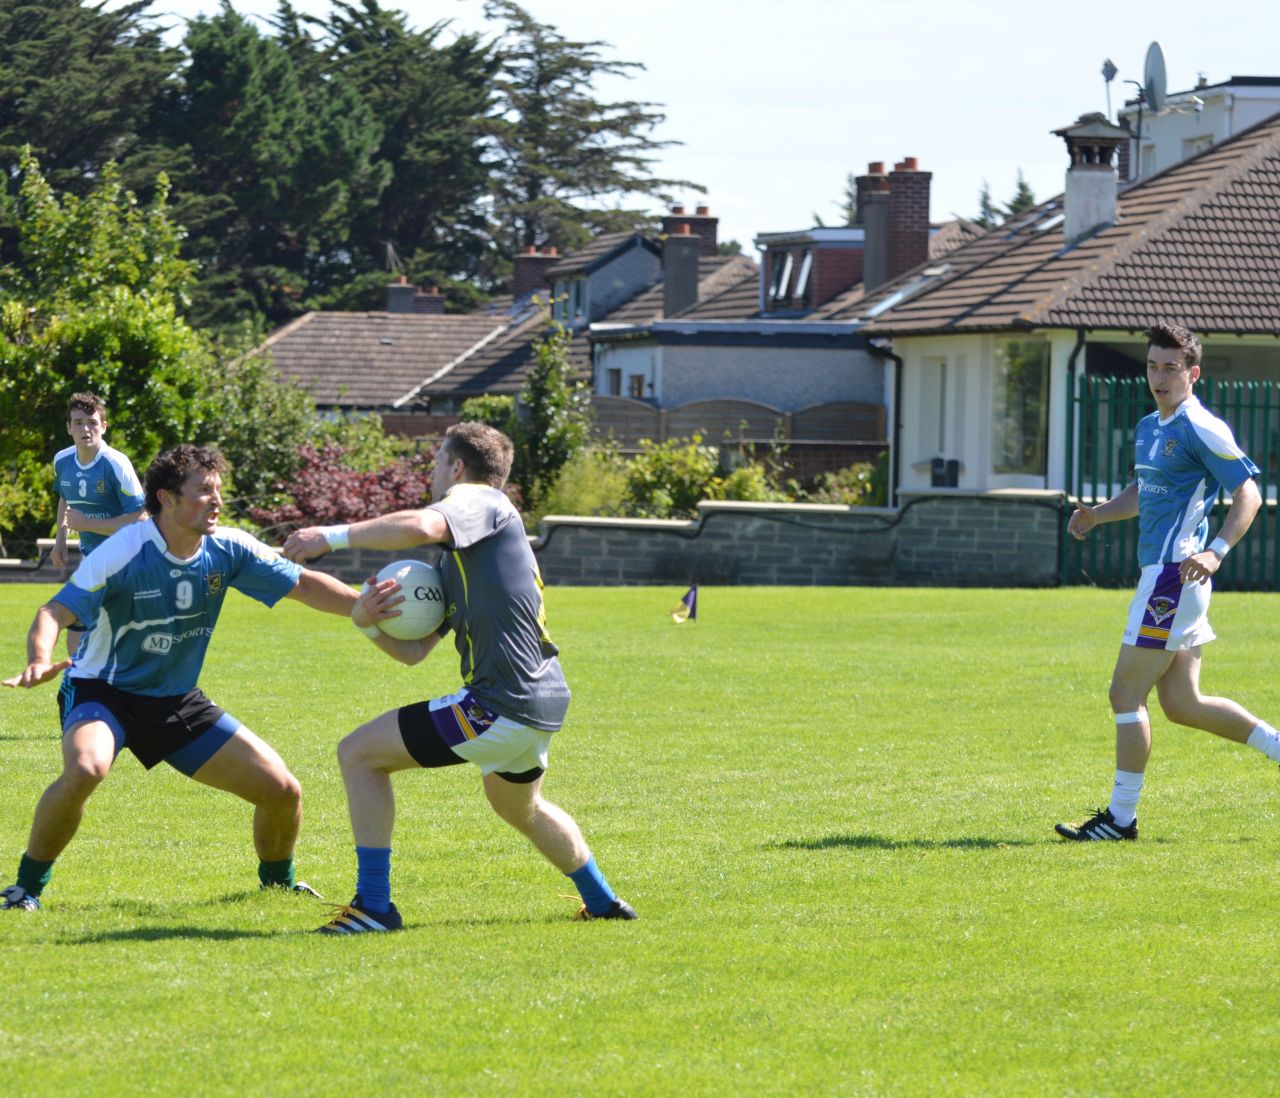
<point>423,608</point>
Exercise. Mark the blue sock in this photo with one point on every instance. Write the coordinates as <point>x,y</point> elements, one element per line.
<point>592,887</point>
<point>373,878</point>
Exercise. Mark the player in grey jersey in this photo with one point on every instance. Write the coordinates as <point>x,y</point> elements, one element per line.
<point>513,696</point>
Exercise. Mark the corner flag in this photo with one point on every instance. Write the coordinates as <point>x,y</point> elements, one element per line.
<point>687,608</point>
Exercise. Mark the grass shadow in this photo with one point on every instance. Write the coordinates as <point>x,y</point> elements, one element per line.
<point>881,842</point>
<point>165,933</point>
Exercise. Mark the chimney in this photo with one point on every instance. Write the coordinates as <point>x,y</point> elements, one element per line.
<point>864,185</point>
<point>400,296</point>
<point>529,275</point>
<point>700,223</point>
<point>1089,201</point>
<point>431,303</point>
<point>873,207</point>
<point>680,251</point>
<point>908,216</point>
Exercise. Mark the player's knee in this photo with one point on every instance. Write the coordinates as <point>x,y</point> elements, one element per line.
<point>1182,709</point>
<point>350,751</point>
<point>519,814</point>
<point>85,772</point>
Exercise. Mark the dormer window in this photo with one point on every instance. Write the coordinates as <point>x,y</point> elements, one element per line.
<point>789,287</point>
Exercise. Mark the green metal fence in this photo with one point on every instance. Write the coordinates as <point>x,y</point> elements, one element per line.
<point>1102,415</point>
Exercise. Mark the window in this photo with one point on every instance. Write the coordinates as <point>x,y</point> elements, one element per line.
<point>800,294</point>
<point>1191,146</point>
<point>578,299</point>
<point>1020,407</point>
<point>635,386</point>
<point>613,383</point>
<point>933,407</point>
<point>782,265</point>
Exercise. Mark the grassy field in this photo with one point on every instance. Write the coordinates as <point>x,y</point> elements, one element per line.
<point>832,809</point>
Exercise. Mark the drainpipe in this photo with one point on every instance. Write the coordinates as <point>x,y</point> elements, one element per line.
<point>895,432</point>
<point>1071,442</point>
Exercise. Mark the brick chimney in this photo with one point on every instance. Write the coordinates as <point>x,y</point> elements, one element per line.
<point>430,303</point>
<point>400,296</point>
<point>700,224</point>
<point>873,207</point>
<point>530,271</point>
<point>680,252</point>
<point>1089,200</point>
<point>908,216</point>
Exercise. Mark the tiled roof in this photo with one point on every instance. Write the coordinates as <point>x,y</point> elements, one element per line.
<point>603,246</point>
<point>951,235</point>
<point>737,299</point>
<point>371,360</point>
<point>1197,244</point>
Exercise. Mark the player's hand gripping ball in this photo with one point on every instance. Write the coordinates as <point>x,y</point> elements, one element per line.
<point>423,608</point>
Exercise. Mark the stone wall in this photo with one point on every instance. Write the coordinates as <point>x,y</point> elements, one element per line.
<point>939,538</point>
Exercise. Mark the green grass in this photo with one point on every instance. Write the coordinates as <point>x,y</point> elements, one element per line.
<point>832,808</point>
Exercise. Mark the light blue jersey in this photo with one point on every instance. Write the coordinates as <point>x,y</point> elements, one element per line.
<point>150,614</point>
<point>1180,465</point>
<point>104,488</point>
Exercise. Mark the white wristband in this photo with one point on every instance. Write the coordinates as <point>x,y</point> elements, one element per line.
<point>1220,546</point>
<point>370,631</point>
<point>338,537</point>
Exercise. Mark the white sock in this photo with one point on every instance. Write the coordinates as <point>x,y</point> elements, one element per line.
<point>1124,797</point>
<point>1264,738</point>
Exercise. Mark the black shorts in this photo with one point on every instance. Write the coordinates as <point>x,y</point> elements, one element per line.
<point>184,730</point>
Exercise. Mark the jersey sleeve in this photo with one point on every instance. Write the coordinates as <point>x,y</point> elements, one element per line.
<point>1217,449</point>
<point>89,585</point>
<point>259,573</point>
<point>129,491</point>
<point>473,513</point>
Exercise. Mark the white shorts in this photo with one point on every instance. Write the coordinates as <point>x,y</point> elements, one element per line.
<point>492,742</point>
<point>1167,613</point>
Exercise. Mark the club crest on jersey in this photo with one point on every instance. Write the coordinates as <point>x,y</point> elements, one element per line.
<point>1169,445</point>
<point>100,486</point>
<point>214,582</point>
<point>1161,608</point>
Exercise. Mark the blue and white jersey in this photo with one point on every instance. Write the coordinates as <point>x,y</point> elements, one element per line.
<point>150,614</point>
<point>1181,463</point>
<point>104,488</point>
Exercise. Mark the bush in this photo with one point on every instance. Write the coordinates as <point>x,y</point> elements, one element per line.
<point>496,411</point>
<point>863,484</point>
<point>667,480</point>
<point>751,483</point>
<point>592,482</point>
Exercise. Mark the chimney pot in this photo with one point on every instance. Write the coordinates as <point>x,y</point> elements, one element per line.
<point>678,210</point>
<point>911,164</point>
<point>530,249</point>
<point>876,167</point>
<point>550,250</point>
<point>703,211</point>
<point>683,230</point>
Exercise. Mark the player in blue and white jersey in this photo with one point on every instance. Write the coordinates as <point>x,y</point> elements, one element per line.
<point>152,594</point>
<point>513,698</point>
<point>98,491</point>
<point>1183,455</point>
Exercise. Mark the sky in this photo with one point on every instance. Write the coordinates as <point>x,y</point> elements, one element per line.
<point>775,103</point>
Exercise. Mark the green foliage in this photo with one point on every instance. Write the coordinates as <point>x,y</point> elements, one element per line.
<point>751,482</point>
<point>554,417</point>
<point>666,480</point>
<point>566,161</point>
<point>988,214</point>
<point>863,484</point>
<point>592,482</point>
<point>497,411</point>
<point>1023,199</point>
<point>366,446</point>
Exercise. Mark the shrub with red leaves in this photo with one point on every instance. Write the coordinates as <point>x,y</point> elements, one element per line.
<point>327,491</point>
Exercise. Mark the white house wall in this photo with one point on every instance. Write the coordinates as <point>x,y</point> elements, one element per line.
<point>943,412</point>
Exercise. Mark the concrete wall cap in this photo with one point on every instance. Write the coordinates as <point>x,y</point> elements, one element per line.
<point>991,493</point>
<point>632,523</point>
<point>738,505</point>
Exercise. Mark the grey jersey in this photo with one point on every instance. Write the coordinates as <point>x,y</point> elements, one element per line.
<point>494,596</point>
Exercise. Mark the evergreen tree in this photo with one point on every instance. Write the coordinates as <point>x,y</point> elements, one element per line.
<point>849,201</point>
<point>566,161</point>
<point>988,216</point>
<point>554,417</point>
<point>1023,199</point>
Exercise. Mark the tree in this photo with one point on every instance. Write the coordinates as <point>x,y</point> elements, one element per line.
<point>849,201</point>
<point>554,417</point>
<point>1023,199</point>
<point>988,216</point>
<point>566,162</point>
<point>92,304</point>
<point>77,84</point>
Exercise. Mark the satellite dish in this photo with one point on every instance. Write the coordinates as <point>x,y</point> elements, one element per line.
<point>1153,80</point>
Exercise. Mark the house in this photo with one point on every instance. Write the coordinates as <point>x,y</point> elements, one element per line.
<point>988,342</point>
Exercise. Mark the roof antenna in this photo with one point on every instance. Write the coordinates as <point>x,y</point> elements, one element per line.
<point>392,259</point>
<point>1108,74</point>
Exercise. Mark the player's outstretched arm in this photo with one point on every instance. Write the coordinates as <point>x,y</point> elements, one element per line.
<point>377,602</point>
<point>50,620</point>
<point>401,530</point>
<point>323,592</point>
<point>82,523</point>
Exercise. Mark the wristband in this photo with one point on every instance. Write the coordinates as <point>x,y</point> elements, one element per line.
<point>1220,546</point>
<point>370,631</point>
<point>338,537</point>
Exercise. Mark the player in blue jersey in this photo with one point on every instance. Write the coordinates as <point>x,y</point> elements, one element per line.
<point>152,594</point>
<point>98,491</point>
<point>1183,455</point>
<point>514,695</point>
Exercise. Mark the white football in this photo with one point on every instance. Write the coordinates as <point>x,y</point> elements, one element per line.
<point>423,608</point>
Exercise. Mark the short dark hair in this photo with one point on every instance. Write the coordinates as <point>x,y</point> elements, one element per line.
<point>1169,336</point>
<point>171,468</point>
<point>484,451</point>
<point>87,402</point>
